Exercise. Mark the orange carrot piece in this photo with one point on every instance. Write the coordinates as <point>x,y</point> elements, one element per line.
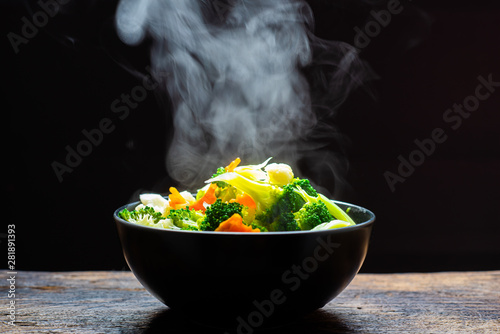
<point>235,224</point>
<point>245,200</point>
<point>233,165</point>
<point>176,201</point>
<point>208,197</point>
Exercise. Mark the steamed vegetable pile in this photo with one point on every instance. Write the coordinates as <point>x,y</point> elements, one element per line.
<point>251,198</point>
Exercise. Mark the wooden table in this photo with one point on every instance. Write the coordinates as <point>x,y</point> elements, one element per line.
<point>114,302</point>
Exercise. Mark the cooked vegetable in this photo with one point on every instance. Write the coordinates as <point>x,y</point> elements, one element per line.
<point>235,224</point>
<point>179,200</point>
<point>279,216</point>
<point>219,212</point>
<point>312,214</point>
<point>279,174</point>
<point>332,224</point>
<point>143,216</point>
<point>207,198</point>
<point>263,194</point>
<point>233,165</point>
<point>333,208</point>
<point>220,171</point>
<point>186,218</point>
<point>155,201</point>
<point>305,185</point>
<point>250,198</point>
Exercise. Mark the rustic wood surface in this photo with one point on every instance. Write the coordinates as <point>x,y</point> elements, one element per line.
<point>114,302</point>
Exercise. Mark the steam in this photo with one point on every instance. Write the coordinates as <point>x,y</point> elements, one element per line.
<point>234,74</point>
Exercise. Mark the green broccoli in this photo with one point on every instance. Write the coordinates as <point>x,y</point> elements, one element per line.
<point>279,216</point>
<point>144,216</point>
<point>186,219</point>
<point>190,228</point>
<point>290,200</point>
<point>333,208</point>
<point>220,171</point>
<point>219,212</point>
<point>285,221</point>
<point>312,214</point>
<point>260,227</point>
<point>305,185</point>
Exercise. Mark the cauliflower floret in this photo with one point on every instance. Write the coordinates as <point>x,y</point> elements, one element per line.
<point>167,224</point>
<point>156,201</point>
<point>279,174</point>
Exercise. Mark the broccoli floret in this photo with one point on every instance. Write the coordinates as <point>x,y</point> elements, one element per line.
<point>284,222</point>
<point>189,228</point>
<point>219,212</point>
<point>279,217</point>
<point>185,218</point>
<point>289,201</point>
<point>292,198</point>
<point>312,215</point>
<point>220,171</point>
<point>333,208</point>
<point>144,216</point>
<point>305,185</point>
<point>261,228</point>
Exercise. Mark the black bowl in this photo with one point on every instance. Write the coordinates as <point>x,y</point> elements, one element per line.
<point>245,280</point>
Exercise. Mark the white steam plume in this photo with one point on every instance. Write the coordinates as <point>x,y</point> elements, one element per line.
<point>233,71</point>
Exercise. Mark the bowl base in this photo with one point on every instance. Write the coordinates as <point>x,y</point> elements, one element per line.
<point>250,323</point>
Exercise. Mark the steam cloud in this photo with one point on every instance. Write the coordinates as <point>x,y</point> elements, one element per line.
<point>234,74</point>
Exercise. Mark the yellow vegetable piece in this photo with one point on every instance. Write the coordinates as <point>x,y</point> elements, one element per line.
<point>279,174</point>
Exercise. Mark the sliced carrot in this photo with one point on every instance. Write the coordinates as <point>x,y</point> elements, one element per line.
<point>235,224</point>
<point>176,201</point>
<point>233,165</point>
<point>245,200</point>
<point>208,197</point>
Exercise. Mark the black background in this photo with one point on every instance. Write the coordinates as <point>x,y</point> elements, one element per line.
<point>65,78</point>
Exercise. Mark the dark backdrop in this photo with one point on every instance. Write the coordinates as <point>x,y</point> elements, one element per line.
<point>444,216</point>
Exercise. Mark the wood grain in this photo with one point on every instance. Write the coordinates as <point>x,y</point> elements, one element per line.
<point>115,302</point>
